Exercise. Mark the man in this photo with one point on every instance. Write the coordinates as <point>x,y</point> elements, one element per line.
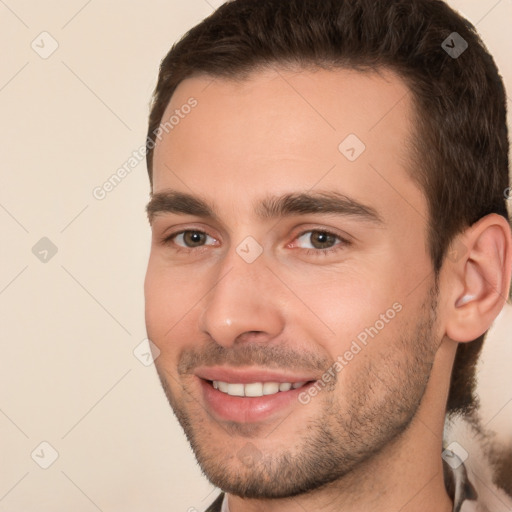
<point>330,245</point>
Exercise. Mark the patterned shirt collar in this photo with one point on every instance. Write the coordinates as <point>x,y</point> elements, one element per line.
<point>457,482</point>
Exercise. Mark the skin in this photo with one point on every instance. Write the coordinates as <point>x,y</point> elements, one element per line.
<point>373,437</point>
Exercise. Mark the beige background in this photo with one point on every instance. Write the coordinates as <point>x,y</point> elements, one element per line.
<point>69,326</point>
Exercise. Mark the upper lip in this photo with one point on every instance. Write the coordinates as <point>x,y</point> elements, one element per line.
<point>247,375</point>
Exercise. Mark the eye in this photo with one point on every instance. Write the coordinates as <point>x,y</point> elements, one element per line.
<point>190,239</point>
<point>319,241</point>
<point>314,242</point>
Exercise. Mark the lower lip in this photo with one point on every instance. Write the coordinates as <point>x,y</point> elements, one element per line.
<point>248,409</point>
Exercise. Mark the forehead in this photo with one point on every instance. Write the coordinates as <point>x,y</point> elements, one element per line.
<point>280,130</point>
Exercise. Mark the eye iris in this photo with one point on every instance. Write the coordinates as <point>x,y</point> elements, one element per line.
<point>194,238</point>
<point>322,240</point>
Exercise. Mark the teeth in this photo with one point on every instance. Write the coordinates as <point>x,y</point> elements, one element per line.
<point>271,388</point>
<point>255,389</point>
<point>222,386</point>
<point>236,389</point>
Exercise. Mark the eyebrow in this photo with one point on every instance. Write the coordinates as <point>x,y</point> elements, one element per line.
<point>271,207</point>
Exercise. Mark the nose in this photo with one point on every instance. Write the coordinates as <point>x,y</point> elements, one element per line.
<point>243,304</point>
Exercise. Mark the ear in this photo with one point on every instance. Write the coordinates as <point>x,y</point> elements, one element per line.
<point>479,277</point>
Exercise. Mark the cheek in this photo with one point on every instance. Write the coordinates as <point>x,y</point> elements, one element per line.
<point>342,303</point>
<point>360,316</point>
<point>170,304</point>
<point>155,291</point>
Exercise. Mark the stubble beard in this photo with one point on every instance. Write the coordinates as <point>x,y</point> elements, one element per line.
<point>375,409</point>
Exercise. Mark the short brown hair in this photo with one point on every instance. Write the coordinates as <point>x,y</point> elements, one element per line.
<point>460,148</point>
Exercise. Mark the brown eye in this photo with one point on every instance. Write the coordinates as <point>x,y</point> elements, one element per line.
<point>190,239</point>
<point>322,240</point>
<point>194,238</point>
<point>318,240</point>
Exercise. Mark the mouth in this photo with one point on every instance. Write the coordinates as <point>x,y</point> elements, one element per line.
<point>250,396</point>
<point>255,389</point>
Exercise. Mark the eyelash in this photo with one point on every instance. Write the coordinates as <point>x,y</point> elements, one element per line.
<point>343,242</point>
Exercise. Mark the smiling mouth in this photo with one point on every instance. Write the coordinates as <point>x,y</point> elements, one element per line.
<point>255,389</point>
<point>251,396</point>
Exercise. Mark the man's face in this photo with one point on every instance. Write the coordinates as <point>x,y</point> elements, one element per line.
<point>301,261</point>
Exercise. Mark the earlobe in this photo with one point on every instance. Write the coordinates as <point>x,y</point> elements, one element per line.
<point>480,279</point>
